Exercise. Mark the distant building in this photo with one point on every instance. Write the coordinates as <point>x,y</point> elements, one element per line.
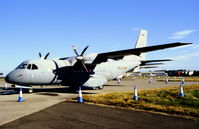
<point>1,74</point>
<point>165,73</point>
<point>148,74</point>
<point>181,72</point>
<point>155,73</point>
<point>195,73</point>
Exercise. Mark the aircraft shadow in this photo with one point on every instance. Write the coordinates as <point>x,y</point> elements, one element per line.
<point>44,91</point>
<point>115,85</point>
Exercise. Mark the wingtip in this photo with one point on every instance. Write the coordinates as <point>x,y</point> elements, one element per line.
<point>185,43</point>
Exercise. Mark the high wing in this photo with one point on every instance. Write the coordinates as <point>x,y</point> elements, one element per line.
<point>103,57</point>
<point>151,67</point>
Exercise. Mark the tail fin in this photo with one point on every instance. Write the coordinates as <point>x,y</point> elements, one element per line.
<point>142,39</point>
<point>142,42</point>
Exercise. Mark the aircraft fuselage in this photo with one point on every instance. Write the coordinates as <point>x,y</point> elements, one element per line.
<point>55,71</point>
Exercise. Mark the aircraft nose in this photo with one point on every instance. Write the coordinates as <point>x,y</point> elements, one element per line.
<point>7,79</point>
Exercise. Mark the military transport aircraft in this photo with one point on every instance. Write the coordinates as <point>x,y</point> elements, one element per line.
<point>88,70</point>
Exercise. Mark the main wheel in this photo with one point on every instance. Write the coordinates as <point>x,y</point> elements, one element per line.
<point>101,87</point>
<point>95,88</point>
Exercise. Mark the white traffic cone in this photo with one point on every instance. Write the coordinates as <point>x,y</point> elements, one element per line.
<point>20,99</point>
<point>135,97</point>
<point>118,81</point>
<point>150,80</point>
<point>6,86</point>
<point>80,100</point>
<point>182,80</point>
<point>166,80</point>
<point>181,91</point>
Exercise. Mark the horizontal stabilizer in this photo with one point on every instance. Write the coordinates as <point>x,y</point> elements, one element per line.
<point>151,64</point>
<point>146,63</point>
<point>148,67</point>
<point>162,60</point>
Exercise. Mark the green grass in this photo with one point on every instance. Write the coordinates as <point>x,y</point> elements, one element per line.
<point>165,100</point>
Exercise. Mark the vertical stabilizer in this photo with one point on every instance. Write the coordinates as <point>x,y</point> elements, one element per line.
<point>142,39</point>
<point>142,42</point>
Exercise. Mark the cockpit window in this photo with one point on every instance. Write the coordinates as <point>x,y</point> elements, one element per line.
<point>29,66</point>
<point>34,67</point>
<point>22,66</point>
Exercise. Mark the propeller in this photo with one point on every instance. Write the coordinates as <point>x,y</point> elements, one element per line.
<point>80,57</point>
<point>44,58</point>
<point>40,55</point>
<point>55,71</point>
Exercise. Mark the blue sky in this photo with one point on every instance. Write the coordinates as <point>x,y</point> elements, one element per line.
<point>28,27</point>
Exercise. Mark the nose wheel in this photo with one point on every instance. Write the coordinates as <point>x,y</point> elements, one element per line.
<point>30,91</point>
<point>98,88</point>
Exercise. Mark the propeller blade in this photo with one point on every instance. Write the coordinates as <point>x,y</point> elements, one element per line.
<point>84,66</point>
<point>80,57</point>
<point>46,56</point>
<point>74,48</point>
<point>40,55</point>
<point>84,50</point>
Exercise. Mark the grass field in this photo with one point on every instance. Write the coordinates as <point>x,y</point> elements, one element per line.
<point>2,79</point>
<point>171,79</point>
<point>165,100</point>
<point>187,79</point>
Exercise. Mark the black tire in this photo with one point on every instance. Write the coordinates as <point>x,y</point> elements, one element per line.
<point>30,91</point>
<point>101,87</point>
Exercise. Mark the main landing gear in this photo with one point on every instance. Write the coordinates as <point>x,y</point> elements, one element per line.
<point>98,88</point>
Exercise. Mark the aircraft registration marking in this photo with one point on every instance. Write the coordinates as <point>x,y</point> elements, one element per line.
<point>122,67</point>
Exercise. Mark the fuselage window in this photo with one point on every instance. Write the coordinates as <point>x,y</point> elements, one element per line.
<point>34,67</point>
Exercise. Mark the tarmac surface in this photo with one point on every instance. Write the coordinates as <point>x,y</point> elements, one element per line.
<point>69,115</point>
<point>34,112</point>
